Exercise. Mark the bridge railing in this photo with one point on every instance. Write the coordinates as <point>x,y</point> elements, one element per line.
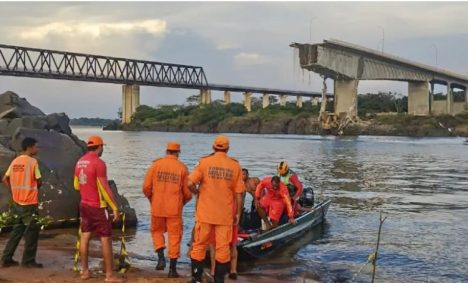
<point>41,63</point>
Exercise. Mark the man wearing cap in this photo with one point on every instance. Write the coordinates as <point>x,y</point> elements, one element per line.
<point>96,197</point>
<point>218,208</point>
<point>165,186</point>
<point>23,178</point>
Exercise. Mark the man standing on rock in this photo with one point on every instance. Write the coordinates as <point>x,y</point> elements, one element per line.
<point>218,208</point>
<point>23,178</point>
<point>166,188</point>
<point>96,196</point>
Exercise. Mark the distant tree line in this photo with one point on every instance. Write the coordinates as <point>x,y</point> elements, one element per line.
<point>96,122</point>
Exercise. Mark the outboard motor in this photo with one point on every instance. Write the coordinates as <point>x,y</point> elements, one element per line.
<point>307,198</point>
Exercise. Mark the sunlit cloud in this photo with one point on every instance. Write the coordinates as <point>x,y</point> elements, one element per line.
<point>246,59</point>
<point>94,30</point>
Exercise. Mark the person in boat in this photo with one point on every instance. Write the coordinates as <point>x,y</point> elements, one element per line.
<point>273,202</point>
<point>219,195</point>
<point>290,179</point>
<point>249,182</point>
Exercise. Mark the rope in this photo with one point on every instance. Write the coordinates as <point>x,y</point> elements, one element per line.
<point>124,262</point>
<point>77,252</point>
<point>370,258</point>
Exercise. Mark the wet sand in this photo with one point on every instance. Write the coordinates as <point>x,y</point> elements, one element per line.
<point>56,251</point>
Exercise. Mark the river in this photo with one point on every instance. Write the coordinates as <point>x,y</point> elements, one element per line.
<point>420,185</point>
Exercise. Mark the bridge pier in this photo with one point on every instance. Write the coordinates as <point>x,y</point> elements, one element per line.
<point>248,101</point>
<point>314,101</point>
<point>449,98</point>
<point>283,99</point>
<point>346,97</point>
<point>227,97</point>
<point>130,102</point>
<point>205,96</point>
<point>265,100</point>
<point>299,101</point>
<point>418,98</point>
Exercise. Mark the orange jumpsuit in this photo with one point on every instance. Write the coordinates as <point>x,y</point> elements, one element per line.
<point>274,201</point>
<point>220,178</point>
<point>166,188</point>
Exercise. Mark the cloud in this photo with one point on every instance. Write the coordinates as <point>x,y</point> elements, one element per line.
<point>93,30</point>
<point>249,59</point>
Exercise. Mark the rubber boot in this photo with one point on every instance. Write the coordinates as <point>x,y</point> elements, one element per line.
<point>197,271</point>
<point>220,271</point>
<point>173,269</point>
<point>161,259</point>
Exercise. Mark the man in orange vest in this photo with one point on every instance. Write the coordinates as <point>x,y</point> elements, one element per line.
<point>23,178</point>
<point>96,197</point>
<point>166,188</point>
<point>220,194</point>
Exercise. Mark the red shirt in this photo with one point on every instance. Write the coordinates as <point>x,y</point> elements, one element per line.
<point>91,181</point>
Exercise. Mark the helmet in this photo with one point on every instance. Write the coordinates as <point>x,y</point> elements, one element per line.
<point>282,168</point>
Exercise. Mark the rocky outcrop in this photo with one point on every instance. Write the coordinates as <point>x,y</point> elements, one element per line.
<point>59,151</point>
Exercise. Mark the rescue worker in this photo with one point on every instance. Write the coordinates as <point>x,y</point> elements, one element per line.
<point>23,179</point>
<point>220,194</point>
<point>273,202</point>
<point>290,179</point>
<point>96,196</point>
<point>165,186</point>
<point>250,184</point>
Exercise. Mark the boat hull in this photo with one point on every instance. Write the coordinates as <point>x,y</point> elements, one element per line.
<point>264,244</point>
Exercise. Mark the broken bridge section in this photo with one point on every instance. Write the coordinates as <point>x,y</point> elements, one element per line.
<point>348,63</point>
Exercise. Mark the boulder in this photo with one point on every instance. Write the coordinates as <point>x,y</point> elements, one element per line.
<point>6,156</point>
<point>59,122</point>
<point>3,126</point>
<point>18,107</point>
<point>59,151</point>
<point>31,122</point>
<point>124,206</point>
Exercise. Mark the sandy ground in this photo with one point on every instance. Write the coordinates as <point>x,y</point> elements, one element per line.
<point>56,253</point>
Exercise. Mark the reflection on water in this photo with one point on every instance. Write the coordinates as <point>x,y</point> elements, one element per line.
<point>420,184</point>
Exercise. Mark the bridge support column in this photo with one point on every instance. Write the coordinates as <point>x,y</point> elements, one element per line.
<point>314,101</point>
<point>205,96</point>
<point>283,100</point>
<point>227,97</point>
<point>299,101</point>
<point>449,99</point>
<point>418,98</point>
<point>248,101</point>
<point>346,97</point>
<point>265,100</point>
<point>130,102</point>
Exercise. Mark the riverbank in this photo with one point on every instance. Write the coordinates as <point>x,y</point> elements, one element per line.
<point>308,124</point>
<point>57,248</point>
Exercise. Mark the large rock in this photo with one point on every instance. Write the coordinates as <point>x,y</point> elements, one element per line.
<point>18,107</point>
<point>6,156</point>
<point>59,151</point>
<point>59,122</point>
<point>31,122</point>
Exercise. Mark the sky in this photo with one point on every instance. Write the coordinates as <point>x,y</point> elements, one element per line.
<point>238,43</point>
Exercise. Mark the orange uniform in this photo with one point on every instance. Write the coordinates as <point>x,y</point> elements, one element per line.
<point>165,185</point>
<point>274,201</point>
<point>24,173</point>
<point>220,178</point>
